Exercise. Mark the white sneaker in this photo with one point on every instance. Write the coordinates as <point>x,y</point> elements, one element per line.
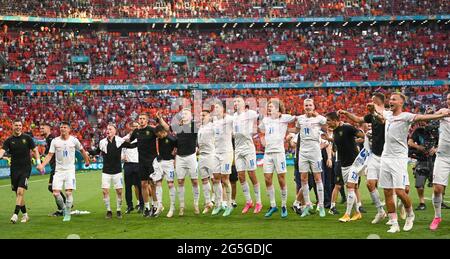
<point>181,212</point>
<point>170,213</point>
<point>159,210</point>
<point>409,223</point>
<point>394,229</point>
<point>196,210</point>
<point>207,208</point>
<point>379,217</point>
<point>25,218</point>
<point>14,218</point>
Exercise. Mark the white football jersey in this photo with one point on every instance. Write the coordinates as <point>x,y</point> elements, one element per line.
<point>244,129</point>
<point>310,135</point>
<point>205,139</point>
<point>444,137</point>
<point>64,152</point>
<point>275,132</point>
<point>131,155</point>
<point>396,134</point>
<point>223,133</point>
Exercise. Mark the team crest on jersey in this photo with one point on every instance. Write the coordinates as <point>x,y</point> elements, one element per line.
<point>340,133</point>
<point>147,133</point>
<point>167,141</point>
<point>24,141</point>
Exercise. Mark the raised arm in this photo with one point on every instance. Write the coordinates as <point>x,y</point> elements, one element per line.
<point>351,116</point>
<point>428,117</point>
<point>162,121</point>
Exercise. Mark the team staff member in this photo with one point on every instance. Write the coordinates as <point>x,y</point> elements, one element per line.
<point>344,137</point>
<point>164,167</point>
<point>186,159</point>
<point>130,157</point>
<point>146,144</point>
<point>111,150</point>
<point>19,146</point>
<point>374,116</point>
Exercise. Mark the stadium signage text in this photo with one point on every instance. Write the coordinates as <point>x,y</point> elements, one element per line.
<point>132,87</point>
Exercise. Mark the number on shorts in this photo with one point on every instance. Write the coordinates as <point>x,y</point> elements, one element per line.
<point>283,165</point>
<point>171,174</point>
<point>271,130</point>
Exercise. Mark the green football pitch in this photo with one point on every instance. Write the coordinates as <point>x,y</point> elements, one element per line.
<point>88,197</point>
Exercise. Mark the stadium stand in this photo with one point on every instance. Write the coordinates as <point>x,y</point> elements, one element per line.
<point>219,8</point>
<point>47,55</point>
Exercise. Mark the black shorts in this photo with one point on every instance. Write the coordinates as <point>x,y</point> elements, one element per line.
<point>338,179</point>
<point>234,174</point>
<point>145,170</point>
<point>19,179</point>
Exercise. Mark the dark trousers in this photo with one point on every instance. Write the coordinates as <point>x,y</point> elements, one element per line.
<point>333,179</point>
<point>132,179</point>
<point>326,179</point>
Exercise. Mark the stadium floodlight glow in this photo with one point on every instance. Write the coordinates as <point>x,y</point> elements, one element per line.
<point>189,25</point>
<point>391,22</point>
<point>447,21</point>
<point>312,24</point>
<point>414,21</point>
<point>359,24</point>
<point>438,21</point>
<point>265,25</point>
<point>176,26</point>
<point>225,25</point>
<point>153,26</point>
<point>251,25</point>
<point>402,22</point>
<point>345,24</point>
<point>424,22</point>
<point>326,24</point>
<point>279,25</point>
<point>375,22</point>
<point>298,24</point>
<point>234,25</point>
<point>165,25</point>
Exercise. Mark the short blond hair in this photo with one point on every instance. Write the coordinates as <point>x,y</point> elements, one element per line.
<point>401,96</point>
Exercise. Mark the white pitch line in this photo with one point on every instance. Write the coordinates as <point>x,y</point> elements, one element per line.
<point>9,185</point>
<point>35,181</point>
